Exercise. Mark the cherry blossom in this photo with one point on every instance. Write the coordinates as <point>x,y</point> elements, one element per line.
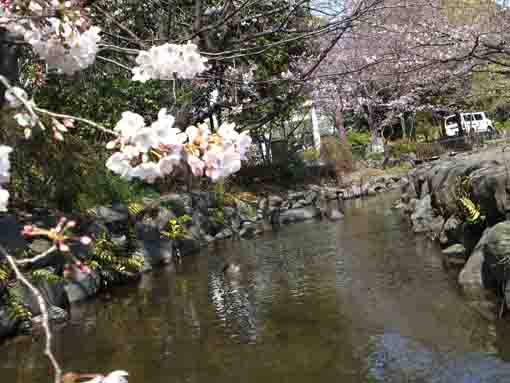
<point>5,167</point>
<point>164,61</point>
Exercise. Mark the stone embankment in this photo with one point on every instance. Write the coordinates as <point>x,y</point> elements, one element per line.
<point>476,241</point>
<point>211,218</point>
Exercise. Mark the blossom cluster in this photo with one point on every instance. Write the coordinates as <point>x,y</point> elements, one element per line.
<point>66,43</point>
<point>164,61</point>
<point>155,151</point>
<point>27,120</point>
<point>59,234</point>
<point>5,167</point>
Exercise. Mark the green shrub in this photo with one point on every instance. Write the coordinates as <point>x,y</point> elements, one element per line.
<point>359,138</point>
<point>400,147</point>
<point>375,156</point>
<point>310,154</point>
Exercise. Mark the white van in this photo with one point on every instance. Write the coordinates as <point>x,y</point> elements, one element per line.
<point>476,122</point>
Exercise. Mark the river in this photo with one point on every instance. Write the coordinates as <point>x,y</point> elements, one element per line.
<point>361,300</point>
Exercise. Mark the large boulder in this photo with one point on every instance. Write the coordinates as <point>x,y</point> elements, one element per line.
<point>10,234</point>
<point>115,218</point>
<point>180,204</point>
<point>452,232</point>
<point>490,190</point>
<point>424,219</point>
<point>301,214</point>
<point>486,270</point>
<point>8,322</point>
<point>82,285</point>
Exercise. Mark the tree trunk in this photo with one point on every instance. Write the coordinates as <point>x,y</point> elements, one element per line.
<point>339,122</point>
<point>403,125</point>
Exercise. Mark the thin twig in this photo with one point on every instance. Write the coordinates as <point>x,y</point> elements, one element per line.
<point>81,119</point>
<point>25,103</point>
<point>44,312</point>
<point>25,261</point>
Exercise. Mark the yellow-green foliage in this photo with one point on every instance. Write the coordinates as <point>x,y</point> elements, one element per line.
<point>136,209</point>
<point>311,155</point>
<point>176,228</point>
<point>110,260</point>
<point>472,210</point>
<point>17,309</point>
<point>218,216</point>
<point>46,275</point>
<point>467,209</point>
<point>5,272</point>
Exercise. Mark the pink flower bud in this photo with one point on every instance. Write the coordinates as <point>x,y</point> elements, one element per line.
<point>70,224</point>
<point>58,136</point>
<point>68,123</point>
<point>28,230</point>
<point>85,240</point>
<point>63,247</point>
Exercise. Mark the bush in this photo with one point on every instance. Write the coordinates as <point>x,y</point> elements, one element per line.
<point>310,155</point>
<point>427,150</point>
<point>400,147</point>
<point>375,156</point>
<point>359,138</point>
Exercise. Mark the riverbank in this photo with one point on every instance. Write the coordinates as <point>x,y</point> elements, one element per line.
<point>157,231</point>
<point>463,202</point>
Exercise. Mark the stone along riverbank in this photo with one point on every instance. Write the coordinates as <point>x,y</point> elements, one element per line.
<point>463,202</point>
<point>130,240</point>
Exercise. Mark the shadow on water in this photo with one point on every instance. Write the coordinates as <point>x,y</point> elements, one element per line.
<point>362,300</point>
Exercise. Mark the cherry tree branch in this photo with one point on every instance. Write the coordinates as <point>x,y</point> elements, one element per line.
<point>44,312</point>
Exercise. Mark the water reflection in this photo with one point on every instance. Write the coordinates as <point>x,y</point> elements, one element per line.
<point>397,359</point>
<point>355,301</point>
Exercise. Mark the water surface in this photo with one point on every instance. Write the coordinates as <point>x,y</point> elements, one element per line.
<point>362,300</point>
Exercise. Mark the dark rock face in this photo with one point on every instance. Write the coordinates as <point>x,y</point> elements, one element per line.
<point>10,234</point>
<point>300,214</point>
<point>436,211</point>
<point>424,219</point>
<point>8,324</point>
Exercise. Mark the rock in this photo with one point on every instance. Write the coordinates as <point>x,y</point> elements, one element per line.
<point>248,231</point>
<point>40,245</point>
<point>376,188</point>
<point>154,252</point>
<point>497,255</point>
<point>192,242</point>
<point>55,314</point>
<point>275,201</point>
<point>424,219</point>
<point>203,200</point>
<point>410,158</point>
<point>470,278</point>
<point>115,218</point>
<point>334,215</point>
<point>180,204</point>
<point>310,197</point>
<point>485,270</point>
<point>452,232</point>
<point>163,217</point>
<point>148,230</point>
<point>10,234</point>
<point>301,214</point>
<point>294,196</point>
<point>224,234</point>
<point>53,294</point>
<point>8,323</point>
<point>82,286</point>
<point>455,254</point>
